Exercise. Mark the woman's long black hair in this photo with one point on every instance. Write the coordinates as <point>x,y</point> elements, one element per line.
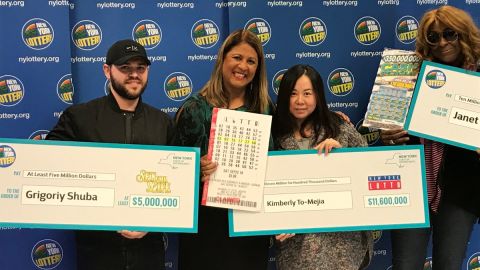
<point>283,122</point>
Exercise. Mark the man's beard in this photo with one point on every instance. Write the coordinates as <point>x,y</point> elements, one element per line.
<point>123,92</point>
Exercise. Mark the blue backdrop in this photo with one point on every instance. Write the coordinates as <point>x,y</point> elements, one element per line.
<point>51,56</point>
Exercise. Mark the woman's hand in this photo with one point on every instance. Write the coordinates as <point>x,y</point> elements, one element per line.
<point>344,117</point>
<point>207,167</point>
<point>394,136</point>
<point>132,234</point>
<point>283,236</point>
<point>327,146</point>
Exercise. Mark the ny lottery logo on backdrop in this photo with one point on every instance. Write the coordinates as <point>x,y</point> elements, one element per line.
<point>367,30</point>
<point>47,254</point>
<point>65,89</point>
<point>11,90</point>
<point>148,33</point>
<point>341,82</point>
<point>313,31</point>
<point>86,35</point>
<point>205,33</point>
<point>37,34</point>
<point>38,135</point>
<point>407,29</point>
<point>178,86</point>
<point>261,28</point>
<point>277,79</point>
<point>474,262</point>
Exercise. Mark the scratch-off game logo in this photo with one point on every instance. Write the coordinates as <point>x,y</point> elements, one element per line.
<point>11,90</point>
<point>371,135</point>
<point>205,33</point>
<point>407,29</point>
<point>474,262</point>
<point>277,79</point>
<point>384,182</point>
<point>312,31</point>
<point>65,89</point>
<point>38,135</point>
<point>428,264</point>
<point>261,28</point>
<point>341,82</point>
<point>86,35</point>
<point>37,34</point>
<point>7,156</point>
<point>178,86</point>
<point>435,79</point>
<point>47,254</point>
<point>155,183</point>
<point>148,33</point>
<point>367,30</point>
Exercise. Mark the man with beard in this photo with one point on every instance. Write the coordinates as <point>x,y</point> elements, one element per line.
<point>119,117</point>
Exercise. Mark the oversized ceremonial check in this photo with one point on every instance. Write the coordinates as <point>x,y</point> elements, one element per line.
<point>350,189</point>
<point>98,186</point>
<point>446,106</point>
<point>239,144</point>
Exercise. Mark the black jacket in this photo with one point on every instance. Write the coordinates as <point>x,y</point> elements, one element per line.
<point>101,120</point>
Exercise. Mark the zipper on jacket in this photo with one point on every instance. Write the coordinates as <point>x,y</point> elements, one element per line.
<point>128,127</point>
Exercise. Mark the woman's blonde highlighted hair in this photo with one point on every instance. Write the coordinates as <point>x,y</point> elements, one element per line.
<point>256,94</point>
<point>457,20</point>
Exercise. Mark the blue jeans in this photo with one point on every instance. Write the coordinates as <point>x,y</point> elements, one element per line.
<point>451,228</point>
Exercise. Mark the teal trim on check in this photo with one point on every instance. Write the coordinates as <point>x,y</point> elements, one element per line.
<point>332,229</point>
<point>424,224</point>
<point>347,150</point>
<point>414,100</point>
<point>442,140</point>
<point>100,145</point>
<point>96,227</point>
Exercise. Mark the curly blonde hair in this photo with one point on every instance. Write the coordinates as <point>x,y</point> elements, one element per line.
<point>256,98</point>
<point>457,20</point>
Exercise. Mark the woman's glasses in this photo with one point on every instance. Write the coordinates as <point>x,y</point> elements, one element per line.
<point>433,38</point>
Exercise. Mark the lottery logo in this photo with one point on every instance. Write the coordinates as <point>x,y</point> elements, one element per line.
<point>474,262</point>
<point>369,134</point>
<point>407,29</point>
<point>38,135</point>
<point>47,254</point>
<point>377,235</point>
<point>341,82</point>
<point>428,264</point>
<point>148,33</point>
<point>277,79</point>
<point>384,182</point>
<point>367,30</point>
<point>7,156</point>
<point>261,28</point>
<point>178,86</point>
<point>37,34</point>
<point>435,79</point>
<point>312,31</point>
<point>65,89</point>
<point>86,35</point>
<point>205,33</point>
<point>11,90</point>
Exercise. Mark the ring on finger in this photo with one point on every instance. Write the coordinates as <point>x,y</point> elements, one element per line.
<point>392,142</point>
